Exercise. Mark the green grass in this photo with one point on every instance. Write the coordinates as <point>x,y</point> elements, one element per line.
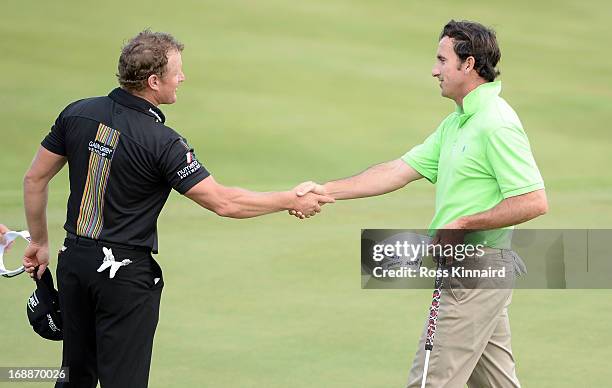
<point>278,92</point>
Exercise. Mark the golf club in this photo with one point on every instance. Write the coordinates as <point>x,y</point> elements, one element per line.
<point>433,319</point>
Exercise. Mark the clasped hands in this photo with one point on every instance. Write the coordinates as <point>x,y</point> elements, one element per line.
<point>310,197</point>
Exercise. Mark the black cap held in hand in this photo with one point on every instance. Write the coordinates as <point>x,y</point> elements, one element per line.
<point>43,308</point>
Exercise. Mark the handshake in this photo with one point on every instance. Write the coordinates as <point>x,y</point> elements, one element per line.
<point>310,197</point>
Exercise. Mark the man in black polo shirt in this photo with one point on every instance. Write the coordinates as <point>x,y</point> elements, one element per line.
<point>123,162</point>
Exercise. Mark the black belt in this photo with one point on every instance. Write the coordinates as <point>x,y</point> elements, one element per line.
<point>80,240</point>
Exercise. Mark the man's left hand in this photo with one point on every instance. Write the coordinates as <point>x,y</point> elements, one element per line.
<point>36,255</point>
<point>450,234</point>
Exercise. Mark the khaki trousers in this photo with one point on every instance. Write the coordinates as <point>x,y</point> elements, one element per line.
<point>472,340</point>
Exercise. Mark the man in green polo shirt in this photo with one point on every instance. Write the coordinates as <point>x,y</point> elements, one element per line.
<point>486,181</point>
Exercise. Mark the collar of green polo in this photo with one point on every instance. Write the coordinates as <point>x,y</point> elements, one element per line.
<point>478,97</point>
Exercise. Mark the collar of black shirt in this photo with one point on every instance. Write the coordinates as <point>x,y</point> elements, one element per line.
<point>140,104</point>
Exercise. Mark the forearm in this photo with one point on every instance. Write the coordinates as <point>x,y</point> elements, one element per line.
<point>510,211</point>
<point>35,195</point>
<point>379,179</point>
<point>35,191</point>
<point>241,203</point>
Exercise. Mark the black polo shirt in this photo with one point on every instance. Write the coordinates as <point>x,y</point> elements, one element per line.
<point>123,161</point>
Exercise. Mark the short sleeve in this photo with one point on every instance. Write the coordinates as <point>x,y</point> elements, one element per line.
<point>512,162</point>
<point>180,167</point>
<point>55,141</point>
<point>424,157</point>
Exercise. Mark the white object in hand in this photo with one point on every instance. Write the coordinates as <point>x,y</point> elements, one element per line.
<point>9,237</point>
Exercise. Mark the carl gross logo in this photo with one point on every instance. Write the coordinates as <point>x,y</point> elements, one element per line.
<point>101,149</point>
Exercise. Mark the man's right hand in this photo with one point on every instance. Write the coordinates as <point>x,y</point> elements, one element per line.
<point>307,204</point>
<point>36,255</point>
<point>307,189</point>
<point>310,187</point>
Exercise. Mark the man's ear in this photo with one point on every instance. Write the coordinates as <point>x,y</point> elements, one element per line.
<point>153,82</point>
<point>468,64</point>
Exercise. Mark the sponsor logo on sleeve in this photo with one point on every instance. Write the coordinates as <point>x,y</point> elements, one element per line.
<point>192,163</point>
<point>189,169</point>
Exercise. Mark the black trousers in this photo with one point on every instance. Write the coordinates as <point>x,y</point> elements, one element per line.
<point>109,324</point>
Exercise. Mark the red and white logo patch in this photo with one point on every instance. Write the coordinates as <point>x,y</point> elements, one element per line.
<point>189,156</point>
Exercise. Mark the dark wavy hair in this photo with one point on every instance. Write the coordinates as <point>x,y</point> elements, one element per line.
<point>474,39</point>
<point>144,55</point>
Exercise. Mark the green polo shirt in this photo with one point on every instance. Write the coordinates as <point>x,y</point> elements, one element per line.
<point>478,156</point>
